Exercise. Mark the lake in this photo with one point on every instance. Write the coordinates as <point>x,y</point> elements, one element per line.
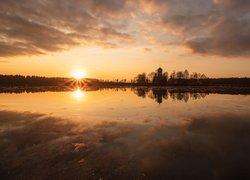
<point>125,133</point>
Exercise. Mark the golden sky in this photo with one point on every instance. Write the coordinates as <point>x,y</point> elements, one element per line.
<point>119,38</point>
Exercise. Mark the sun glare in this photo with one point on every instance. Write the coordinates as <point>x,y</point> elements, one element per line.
<point>79,73</point>
<point>78,94</point>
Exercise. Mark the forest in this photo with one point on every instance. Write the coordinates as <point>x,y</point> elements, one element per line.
<point>139,80</point>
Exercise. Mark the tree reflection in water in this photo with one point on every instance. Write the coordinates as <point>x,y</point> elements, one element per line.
<point>161,94</point>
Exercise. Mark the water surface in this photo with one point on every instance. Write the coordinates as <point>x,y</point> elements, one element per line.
<point>137,133</point>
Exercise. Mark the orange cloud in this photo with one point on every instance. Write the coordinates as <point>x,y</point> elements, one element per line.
<point>210,27</point>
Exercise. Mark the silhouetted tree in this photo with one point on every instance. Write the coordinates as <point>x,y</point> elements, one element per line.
<point>173,75</point>
<point>203,76</point>
<point>150,76</point>
<point>141,78</point>
<point>166,75</point>
<point>194,75</point>
<point>179,75</point>
<point>186,74</point>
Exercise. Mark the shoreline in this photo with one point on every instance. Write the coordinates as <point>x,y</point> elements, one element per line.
<point>172,89</point>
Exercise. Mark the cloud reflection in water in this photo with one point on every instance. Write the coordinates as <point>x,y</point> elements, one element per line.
<point>207,147</point>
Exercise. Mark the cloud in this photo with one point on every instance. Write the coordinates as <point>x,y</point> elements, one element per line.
<point>220,27</point>
<point>28,37</point>
<point>229,35</point>
<point>147,49</point>
<point>207,27</point>
<point>39,27</point>
<point>110,7</point>
<point>3,61</point>
<point>229,38</point>
<point>231,5</point>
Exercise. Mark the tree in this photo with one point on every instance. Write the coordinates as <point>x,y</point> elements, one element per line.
<point>194,75</point>
<point>173,75</point>
<point>150,76</point>
<point>179,75</point>
<point>203,76</point>
<point>186,74</point>
<point>199,75</point>
<point>141,78</point>
<point>166,75</point>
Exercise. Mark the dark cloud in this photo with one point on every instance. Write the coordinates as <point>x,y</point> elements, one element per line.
<point>207,147</point>
<point>232,5</point>
<point>229,31</point>
<point>29,37</point>
<point>38,27</point>
<point>209,27</point>
<point>229,38</point>
<point>220,27</point>
<point>110,7</point>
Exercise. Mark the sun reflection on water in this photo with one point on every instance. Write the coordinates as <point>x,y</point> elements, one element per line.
<point>78,94</point>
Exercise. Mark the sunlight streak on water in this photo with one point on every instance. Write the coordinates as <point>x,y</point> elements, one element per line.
<point>78,94</point>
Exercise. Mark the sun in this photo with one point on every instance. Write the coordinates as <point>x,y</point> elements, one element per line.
<point>79,73</point>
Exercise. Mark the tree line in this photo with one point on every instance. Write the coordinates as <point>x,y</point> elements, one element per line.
<point>184,78</point>
<point>175,75</point>
<point>180,78</point>
<point>19,80</point>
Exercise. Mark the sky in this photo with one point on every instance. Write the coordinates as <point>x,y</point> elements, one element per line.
<point>111,39</point>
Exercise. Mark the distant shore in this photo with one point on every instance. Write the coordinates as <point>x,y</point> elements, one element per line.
<point>174,89</point>
<point>37,81</point>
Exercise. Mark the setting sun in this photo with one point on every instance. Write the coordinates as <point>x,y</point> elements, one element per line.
<point>79,73</point>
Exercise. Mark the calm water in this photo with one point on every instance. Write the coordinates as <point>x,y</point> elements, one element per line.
<point>124,134</point>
